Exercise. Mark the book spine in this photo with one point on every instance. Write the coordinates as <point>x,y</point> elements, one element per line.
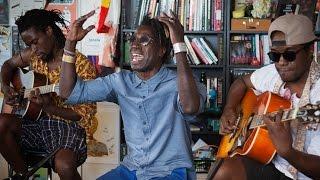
<point>203,51</point>
<point>208,49</point>
<point>199,53</point>
<point>191,51</point>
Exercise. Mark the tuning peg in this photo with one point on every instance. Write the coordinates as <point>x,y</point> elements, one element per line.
<point>317,113</point>
<point>310,118</point>
<point>308,106</point>
<point>304,118</point>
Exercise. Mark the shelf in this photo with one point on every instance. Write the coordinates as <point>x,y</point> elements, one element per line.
<point>186,32</point>
<point>192,66</point>
<point>203,32</point>
<point>128,30</point>
<point>245,66</point>
<point>248,32</point>
<point>201,66</point>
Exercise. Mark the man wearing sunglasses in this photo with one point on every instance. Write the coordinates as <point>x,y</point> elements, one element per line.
<point>294,75</point>
<point>156,103</point>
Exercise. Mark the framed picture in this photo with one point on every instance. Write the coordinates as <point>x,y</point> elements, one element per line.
<point>105,145</point>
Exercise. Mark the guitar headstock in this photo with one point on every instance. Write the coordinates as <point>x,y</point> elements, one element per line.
<point>309,113</point>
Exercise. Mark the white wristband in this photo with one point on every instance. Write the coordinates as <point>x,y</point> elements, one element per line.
<point>179,47</point>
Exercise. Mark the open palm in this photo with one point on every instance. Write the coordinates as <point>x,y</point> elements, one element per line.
<point>77,32</point>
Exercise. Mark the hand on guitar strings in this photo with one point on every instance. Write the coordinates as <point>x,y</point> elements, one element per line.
<point>44,100</point>
<point>11,97</point>
<point>279,132</point>
<point>228,121</point>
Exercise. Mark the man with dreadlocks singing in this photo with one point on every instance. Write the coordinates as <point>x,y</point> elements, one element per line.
<point>156,102</point>
<point>60,126</point>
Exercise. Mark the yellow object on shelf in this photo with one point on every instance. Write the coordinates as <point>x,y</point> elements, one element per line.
<point>238,14</point>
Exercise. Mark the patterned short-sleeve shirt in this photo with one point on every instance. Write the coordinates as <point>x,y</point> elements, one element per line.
<point>86,71</point>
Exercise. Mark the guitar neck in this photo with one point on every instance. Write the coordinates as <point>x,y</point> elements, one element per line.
<point>288,114</point>
<point>43,89</point>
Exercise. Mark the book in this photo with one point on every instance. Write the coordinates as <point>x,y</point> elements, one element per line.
<point>199,53</point>
<point>191,51</point>
<point>208,49</point>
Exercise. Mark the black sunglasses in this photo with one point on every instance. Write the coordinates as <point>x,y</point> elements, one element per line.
<point>287,55</point>
<point>144,40</point>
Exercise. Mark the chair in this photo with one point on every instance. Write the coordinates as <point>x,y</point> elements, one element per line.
<point>36,159</point>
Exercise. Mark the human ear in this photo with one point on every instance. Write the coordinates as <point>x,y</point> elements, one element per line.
<point>162,52</point>
<point>49,31</point>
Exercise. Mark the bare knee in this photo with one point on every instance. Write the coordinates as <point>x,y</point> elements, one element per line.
<point>62,167</point>
<point>65,162</point>
<point>231,168</point>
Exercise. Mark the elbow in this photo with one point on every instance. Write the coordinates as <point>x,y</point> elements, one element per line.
<point>190,109</point>
<point>64,94</point>
<point>65,90</point>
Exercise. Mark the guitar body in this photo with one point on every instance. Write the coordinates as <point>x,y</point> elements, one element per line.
<point>27,80</point>
<point>257,144</point>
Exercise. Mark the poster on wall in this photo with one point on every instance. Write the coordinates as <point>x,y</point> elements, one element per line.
<point>5,43</point>
<point>19,7</point>
<point>90,44</point>
<point>106,19</point>
<point>104,147</point>
<point>4,12</point>
<point>68,9</point>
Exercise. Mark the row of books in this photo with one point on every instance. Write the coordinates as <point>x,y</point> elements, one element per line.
<point>194,15</point>
<point>249,50</point>
<point>199,51</point>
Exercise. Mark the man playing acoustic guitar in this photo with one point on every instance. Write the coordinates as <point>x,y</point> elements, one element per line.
<point>294,75</point>
<point>60,127</point>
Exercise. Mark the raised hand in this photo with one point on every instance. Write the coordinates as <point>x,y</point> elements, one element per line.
<point>174,26</point>
<point>77,32</point>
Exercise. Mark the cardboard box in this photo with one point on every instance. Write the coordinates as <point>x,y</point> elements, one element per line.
<point>250,24</point>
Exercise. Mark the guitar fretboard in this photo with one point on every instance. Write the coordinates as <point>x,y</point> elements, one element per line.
<point>288,114</point>
<point>43,89</point>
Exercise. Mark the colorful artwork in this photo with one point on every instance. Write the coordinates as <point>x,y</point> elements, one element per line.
<point>5,43</point>
<point>67,7</point>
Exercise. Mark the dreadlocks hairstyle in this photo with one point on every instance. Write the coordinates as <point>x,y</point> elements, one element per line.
<point>40,19</point>
<point>160,32</point>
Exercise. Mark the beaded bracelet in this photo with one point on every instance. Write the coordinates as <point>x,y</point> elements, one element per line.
<point>70,53</point>
<point>68,59</point>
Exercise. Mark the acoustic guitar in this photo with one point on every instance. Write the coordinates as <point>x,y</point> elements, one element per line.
<point>24,82</point>
<point>251,138</point>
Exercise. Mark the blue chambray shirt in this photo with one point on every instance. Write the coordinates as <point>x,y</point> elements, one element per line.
<point>156,129</point>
